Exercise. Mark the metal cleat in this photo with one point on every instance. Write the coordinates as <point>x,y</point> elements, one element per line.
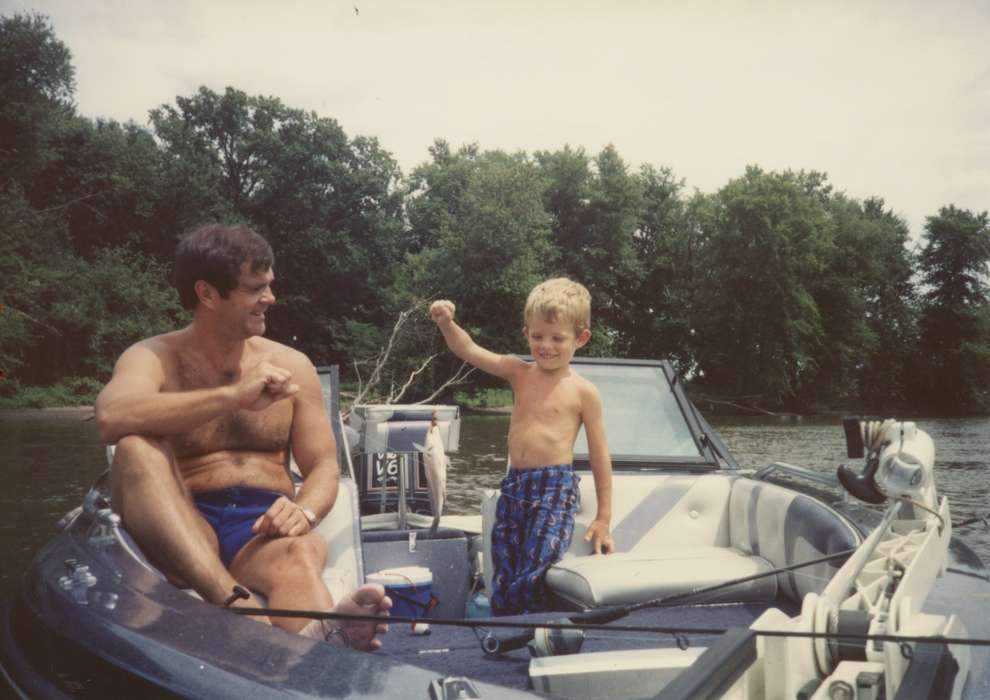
<point>103,532</point>
<point>77,581</point>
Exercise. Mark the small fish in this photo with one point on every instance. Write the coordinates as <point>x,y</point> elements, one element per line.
<point>436,462</point>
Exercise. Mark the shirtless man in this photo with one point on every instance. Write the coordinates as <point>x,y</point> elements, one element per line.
<point>203,418</point>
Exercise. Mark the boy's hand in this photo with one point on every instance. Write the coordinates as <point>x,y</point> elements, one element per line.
<point>442,311</point>
<point>601,540</point>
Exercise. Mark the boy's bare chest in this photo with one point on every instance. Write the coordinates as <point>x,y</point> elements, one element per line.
<point>548,403</point>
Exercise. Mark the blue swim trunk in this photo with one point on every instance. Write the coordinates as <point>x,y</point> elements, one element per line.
<point>231,513</point>
<point>534,522</point>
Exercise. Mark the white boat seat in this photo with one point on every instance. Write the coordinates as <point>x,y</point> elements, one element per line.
<point>679,532</point>
<point>635,577</point>
<point>672,536</point>
<point>341,529</point>
<point>786,527</point>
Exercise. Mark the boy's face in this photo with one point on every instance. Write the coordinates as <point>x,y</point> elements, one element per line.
<point>553,343</point>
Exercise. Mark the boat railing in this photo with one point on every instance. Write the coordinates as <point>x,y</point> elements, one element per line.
<point>794,470</point>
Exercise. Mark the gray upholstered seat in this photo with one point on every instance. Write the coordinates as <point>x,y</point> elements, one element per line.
<point>681,532</point>
<point>634,577</point>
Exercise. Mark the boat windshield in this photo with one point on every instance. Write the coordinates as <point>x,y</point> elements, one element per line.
<point>645,421</point>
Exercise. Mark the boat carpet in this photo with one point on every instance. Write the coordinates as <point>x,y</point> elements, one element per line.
<point>456,651</point>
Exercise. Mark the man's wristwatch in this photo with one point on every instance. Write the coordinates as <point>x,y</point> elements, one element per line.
<point>310,516</point>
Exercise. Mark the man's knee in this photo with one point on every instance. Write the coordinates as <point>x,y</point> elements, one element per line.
<point>137,450</point>
<point>307,554</point>
<point>141,462</point>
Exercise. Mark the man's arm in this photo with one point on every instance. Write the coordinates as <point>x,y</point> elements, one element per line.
<point>601,468</point>
<point>461,344</point>
<point>315,451</point>
<point>133,402</point>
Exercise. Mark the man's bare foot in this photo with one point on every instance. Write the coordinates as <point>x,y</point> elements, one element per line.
<point>369,599</point>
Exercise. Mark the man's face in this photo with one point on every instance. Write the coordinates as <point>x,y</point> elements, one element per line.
<point>249,301</point>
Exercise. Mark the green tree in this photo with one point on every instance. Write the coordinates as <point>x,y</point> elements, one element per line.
<point>596,209</point>
<point>660,302</point>
<point>104,178</point>
<point>119,298</point>
<point>867,304</point>
<point>485,236</point>
<point>434,192</point>
<point>37,82</point>
<point>32,245</point>
<point>759,330</point>
<point>329,205</point>
<point>953,373</point>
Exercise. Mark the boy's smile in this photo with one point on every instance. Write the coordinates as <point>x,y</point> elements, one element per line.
<point>553,343</point>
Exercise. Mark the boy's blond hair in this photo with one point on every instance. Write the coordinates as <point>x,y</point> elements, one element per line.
<point>560,299</point>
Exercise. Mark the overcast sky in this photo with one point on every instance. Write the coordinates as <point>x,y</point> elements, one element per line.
<point>889,98</point>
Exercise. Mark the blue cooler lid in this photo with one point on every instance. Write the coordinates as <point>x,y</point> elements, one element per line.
<point>402,576</point>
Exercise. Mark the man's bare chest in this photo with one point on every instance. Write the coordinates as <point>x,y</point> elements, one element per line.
<point>255,431</point>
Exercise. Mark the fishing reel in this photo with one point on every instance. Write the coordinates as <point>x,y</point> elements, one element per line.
<point>900,460</point>
<point>542,641</point>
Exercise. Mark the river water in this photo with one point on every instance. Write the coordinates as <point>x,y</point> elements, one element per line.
<point>48,461</point>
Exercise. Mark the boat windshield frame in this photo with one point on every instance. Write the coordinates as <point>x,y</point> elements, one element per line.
<point>712,453</point>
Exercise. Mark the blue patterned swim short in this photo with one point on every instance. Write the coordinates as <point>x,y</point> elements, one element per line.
<point>534,522</point>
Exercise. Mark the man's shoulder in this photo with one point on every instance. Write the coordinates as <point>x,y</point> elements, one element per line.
<point>163,345</point>
<point>279,352</point>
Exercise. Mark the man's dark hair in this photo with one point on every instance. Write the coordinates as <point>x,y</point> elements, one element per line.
<point>214,253</point>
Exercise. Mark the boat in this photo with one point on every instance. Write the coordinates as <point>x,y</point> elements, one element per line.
<point>727,582</point>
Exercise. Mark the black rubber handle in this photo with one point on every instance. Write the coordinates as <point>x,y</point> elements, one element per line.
<point>493,646</point>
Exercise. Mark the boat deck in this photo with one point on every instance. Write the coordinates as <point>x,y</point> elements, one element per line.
<point>456,651</point>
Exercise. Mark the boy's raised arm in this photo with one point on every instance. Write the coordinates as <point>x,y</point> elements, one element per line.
<point>461,344</point>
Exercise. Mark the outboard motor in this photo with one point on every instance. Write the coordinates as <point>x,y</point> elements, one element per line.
<point>391,470</point>
<point>899,461</point>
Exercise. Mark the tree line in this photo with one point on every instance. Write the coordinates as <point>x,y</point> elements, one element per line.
<point>777,290</point>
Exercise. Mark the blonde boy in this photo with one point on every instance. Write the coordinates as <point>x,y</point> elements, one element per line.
<point>540,495</point>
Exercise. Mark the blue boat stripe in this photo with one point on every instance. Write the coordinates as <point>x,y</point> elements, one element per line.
<point>641,519</point>
<point>751,521</point>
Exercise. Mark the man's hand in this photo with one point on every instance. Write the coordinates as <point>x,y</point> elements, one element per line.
<point>284,518</point>
<point>442,311</point>
<point>263,385</point>
<point>601,540</point>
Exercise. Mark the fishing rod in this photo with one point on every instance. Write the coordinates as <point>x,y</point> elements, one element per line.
<point>600,620</point>
<point>569,629</point>
<point>615,613</point>
<point>599,617</point>
<point>985,519</point>
<point>677,632</point>
<point>494,646</point>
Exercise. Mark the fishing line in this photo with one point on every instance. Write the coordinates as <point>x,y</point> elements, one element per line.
<point>599,618</point>
<point>677,632</point>
<point>985,519</point>
<point>922,506</point>
<point>615,613</point>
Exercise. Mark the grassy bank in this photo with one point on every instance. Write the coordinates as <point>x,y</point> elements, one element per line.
<point>485,399</point>
<point>69,392</point>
